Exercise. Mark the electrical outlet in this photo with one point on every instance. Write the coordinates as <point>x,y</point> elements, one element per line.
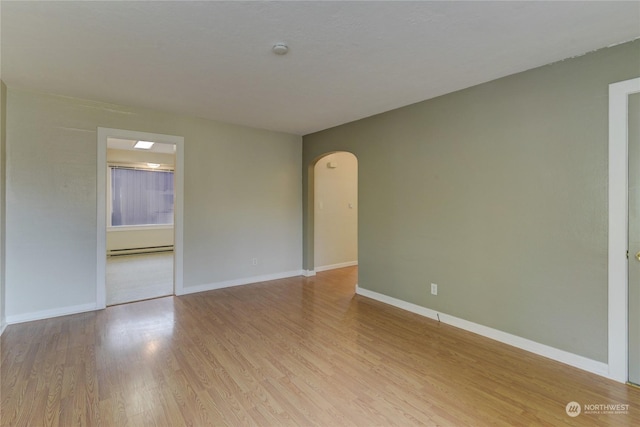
<point>434,289</point>
<point>254,261</point>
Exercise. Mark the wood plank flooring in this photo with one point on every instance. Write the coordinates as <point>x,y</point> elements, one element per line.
<point>292,352</point>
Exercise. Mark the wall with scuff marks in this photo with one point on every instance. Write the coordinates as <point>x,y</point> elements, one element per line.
<point>242,199</point>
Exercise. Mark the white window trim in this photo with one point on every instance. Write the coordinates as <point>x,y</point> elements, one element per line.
<point>116,228</point>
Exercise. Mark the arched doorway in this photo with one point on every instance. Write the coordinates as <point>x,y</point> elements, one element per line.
<point>333,185</point>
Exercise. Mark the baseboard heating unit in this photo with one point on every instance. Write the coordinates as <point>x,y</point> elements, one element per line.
<point>138,251</point>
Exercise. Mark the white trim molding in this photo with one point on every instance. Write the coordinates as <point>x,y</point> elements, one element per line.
<point>126,228</point>
<point>618,227</point>
<point>240,282</point>
<point>47,314</point>
<point>308,273</point>
<point>178,205</point>
<point>334,266</point>
<point>558,355</point>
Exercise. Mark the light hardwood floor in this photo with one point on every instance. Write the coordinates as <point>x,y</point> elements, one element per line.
<point>299,352</point>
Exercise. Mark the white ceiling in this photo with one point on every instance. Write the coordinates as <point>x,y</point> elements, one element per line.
<point>347,60</point>
<point>127,144</point>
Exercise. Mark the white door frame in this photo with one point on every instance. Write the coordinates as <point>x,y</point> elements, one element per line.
<point>618,227</point>
<point>101,252</point>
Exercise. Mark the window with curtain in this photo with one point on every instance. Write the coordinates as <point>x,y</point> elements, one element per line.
<point>141,197</point>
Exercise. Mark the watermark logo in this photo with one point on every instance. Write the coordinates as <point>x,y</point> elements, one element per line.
<point>606,408</point>
<point>573,409</point>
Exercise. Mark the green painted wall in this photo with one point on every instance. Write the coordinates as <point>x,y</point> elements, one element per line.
<point>497,193</point>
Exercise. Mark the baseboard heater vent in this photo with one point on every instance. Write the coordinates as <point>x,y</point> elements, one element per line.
<point>137,251</point>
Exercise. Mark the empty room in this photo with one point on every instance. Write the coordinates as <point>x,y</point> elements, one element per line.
<point>319,213</point>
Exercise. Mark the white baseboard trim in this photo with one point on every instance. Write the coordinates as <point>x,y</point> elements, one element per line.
<point>47,314</point>
<point>3,326</point>
<point>334,266</point>
<point>239,282</point>
<point>553,353</point>
<point>308,273</point>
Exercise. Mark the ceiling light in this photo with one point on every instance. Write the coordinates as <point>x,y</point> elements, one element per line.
<point>153,165</point>
<point>280,48</point>
<point>143,145</point>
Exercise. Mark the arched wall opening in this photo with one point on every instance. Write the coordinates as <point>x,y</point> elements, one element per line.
<point>332,212</point>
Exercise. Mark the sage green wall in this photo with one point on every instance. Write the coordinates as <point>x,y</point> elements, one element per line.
<point>242,198</point>
<point>497,193</point>
<point>3,145</point>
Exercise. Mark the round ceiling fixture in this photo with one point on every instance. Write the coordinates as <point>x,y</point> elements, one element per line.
<point>280,48</point>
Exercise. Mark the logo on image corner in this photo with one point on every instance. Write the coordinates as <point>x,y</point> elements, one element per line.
<point>573,409</point>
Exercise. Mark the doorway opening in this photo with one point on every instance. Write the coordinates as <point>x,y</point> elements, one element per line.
<point>140,194</point>
<point>619,316</point>
<point>633,279</point>
<point>335,211</point>
<point>140,186</point>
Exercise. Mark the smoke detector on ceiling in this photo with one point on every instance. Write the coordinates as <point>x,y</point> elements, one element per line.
<point>280,48</point>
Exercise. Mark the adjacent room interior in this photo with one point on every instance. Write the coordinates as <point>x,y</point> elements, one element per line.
<point>140,234</point>
<point>348,213</point>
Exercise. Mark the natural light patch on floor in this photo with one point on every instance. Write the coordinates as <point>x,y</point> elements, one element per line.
<point>138,277</point>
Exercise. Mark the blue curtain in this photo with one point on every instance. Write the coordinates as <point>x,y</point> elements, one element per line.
<point>141,197</point>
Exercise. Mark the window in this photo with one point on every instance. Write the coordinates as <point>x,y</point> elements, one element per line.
<point>140,197</point>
